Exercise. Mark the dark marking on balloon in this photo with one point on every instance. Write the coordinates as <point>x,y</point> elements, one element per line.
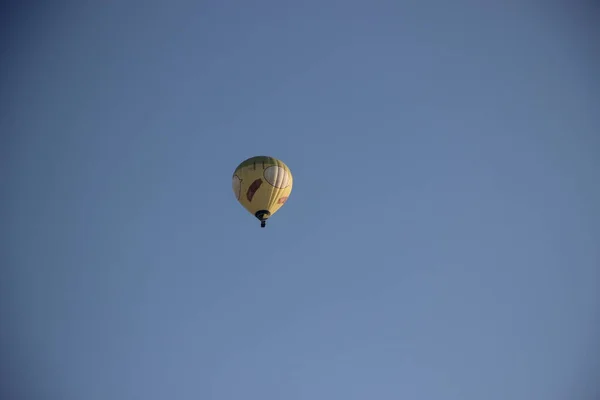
<point>239,189</point>
<point>282,200</point>
<point>253,188</point>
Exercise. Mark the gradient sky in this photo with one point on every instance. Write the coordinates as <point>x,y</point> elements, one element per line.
<point>441,241</point>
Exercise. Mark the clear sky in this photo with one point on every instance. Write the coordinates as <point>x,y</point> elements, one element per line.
<point>441,241</point>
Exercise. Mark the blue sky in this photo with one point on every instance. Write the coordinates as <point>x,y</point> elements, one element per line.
<point>441,241</point>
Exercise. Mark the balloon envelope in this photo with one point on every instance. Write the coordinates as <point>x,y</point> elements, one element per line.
<point>262,185</point>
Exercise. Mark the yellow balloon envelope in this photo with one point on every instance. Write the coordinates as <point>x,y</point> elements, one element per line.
<point>262,185</point>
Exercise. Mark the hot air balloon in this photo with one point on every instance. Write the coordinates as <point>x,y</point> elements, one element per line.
<point>262,185</point>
